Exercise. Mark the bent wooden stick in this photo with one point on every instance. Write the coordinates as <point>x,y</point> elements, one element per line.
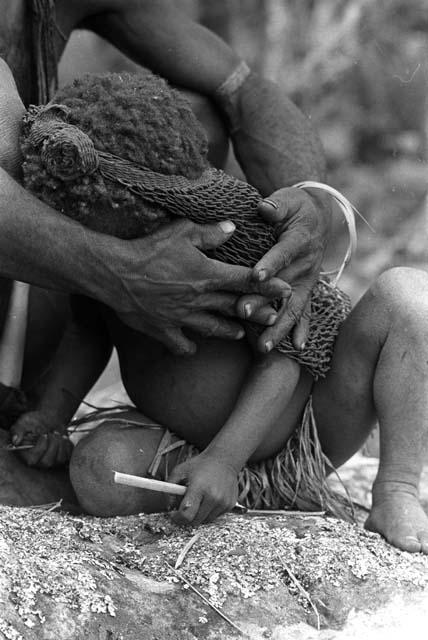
<point>12,342</point>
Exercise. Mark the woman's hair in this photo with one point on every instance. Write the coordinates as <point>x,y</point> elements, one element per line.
<point>138,117</point>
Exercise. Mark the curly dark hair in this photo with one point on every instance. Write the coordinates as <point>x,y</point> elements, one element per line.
<point>138,117</point>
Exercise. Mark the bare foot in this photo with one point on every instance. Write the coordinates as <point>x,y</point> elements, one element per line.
<point>398,516</point>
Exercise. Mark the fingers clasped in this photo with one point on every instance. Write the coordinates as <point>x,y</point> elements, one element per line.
<point>302,221</point>
<point>184,289</point>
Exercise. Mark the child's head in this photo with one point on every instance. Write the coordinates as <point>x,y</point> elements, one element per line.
<point>137,117</point>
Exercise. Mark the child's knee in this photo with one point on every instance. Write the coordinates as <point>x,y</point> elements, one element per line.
<point>108,449</point>
<point>402,293</point>
<point>396,302</point>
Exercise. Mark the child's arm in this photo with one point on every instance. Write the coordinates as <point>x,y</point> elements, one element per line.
<point>81,357</point>
<point>212,475</point>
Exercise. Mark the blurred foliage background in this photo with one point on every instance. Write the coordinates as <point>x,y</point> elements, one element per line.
<point>358,69</point>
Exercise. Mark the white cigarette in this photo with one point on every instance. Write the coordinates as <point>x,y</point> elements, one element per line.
<point>149,483</point>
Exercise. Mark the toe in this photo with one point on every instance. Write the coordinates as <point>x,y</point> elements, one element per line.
<point>406,543</point>
<point>401,536</point>
<point>423,537</point>
<point>400,519</point>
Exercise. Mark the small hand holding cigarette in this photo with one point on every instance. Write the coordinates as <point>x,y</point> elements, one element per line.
<point>179,490</point>
<point>38,442</point>
<point>212,488</point>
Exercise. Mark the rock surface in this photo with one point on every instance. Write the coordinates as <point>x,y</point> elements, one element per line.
<point>291,577</point>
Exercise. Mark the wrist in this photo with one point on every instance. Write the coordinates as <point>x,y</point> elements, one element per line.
<point>324,206</point>
<point>227,95</point>
<point>50,419</point>
<point>110,266</point>
<point>224,456</point>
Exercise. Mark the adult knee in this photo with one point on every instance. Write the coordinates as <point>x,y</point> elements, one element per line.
<point>111,448</point>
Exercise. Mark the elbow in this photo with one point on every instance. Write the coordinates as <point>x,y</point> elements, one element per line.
<point>11,161</point>
<point>11,114</point>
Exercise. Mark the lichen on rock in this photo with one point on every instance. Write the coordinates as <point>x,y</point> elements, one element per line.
<point>79,576</point>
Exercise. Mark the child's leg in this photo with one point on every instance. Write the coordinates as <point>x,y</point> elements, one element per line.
<point>380,370</point>
<point>263,417</point>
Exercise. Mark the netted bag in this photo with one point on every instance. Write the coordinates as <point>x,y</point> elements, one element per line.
<point>218,196</point>
<point>138,117</point>
<point>70,155</point>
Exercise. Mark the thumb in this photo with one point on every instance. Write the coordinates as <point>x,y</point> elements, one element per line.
<point>189,506</point>
<point>274,208</point>
<point>211,236</point>
<point>18,431</point>
<point>178,475</point>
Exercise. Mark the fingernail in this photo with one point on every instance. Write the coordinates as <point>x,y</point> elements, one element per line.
<point>240,334</point>
<point>272,319</point>
<point>411,538</point>
<point>302,346</point>
<point>262,275</point>
<point>272,203</point>
<point>187,505</point>
<point>15,440</point>
<point>268,346</point>
<point>286,293</point>
<point>226,226</point>
<point>247,310</point>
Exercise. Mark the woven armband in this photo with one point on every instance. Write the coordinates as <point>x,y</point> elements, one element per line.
<point>226,94</point>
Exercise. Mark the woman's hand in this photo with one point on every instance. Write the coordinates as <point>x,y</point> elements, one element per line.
<point>50,447</point>
<point>302,219</point>
<point>168,286</point>
<point>212,489</point>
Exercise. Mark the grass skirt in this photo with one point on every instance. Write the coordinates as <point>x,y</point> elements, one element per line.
<point>296,478</point>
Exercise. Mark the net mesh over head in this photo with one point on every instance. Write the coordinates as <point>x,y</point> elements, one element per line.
<point>69,154</point>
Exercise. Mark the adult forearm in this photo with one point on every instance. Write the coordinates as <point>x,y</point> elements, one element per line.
<point>40,246</point>
<point>273,141</point>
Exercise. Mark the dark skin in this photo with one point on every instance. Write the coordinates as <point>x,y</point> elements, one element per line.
<point>379,369</point>
<point>231,403</point>
<point>194,292</point>
<point>235,406</point>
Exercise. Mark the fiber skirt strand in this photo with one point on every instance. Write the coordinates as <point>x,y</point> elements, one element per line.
<point>296,478</point>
